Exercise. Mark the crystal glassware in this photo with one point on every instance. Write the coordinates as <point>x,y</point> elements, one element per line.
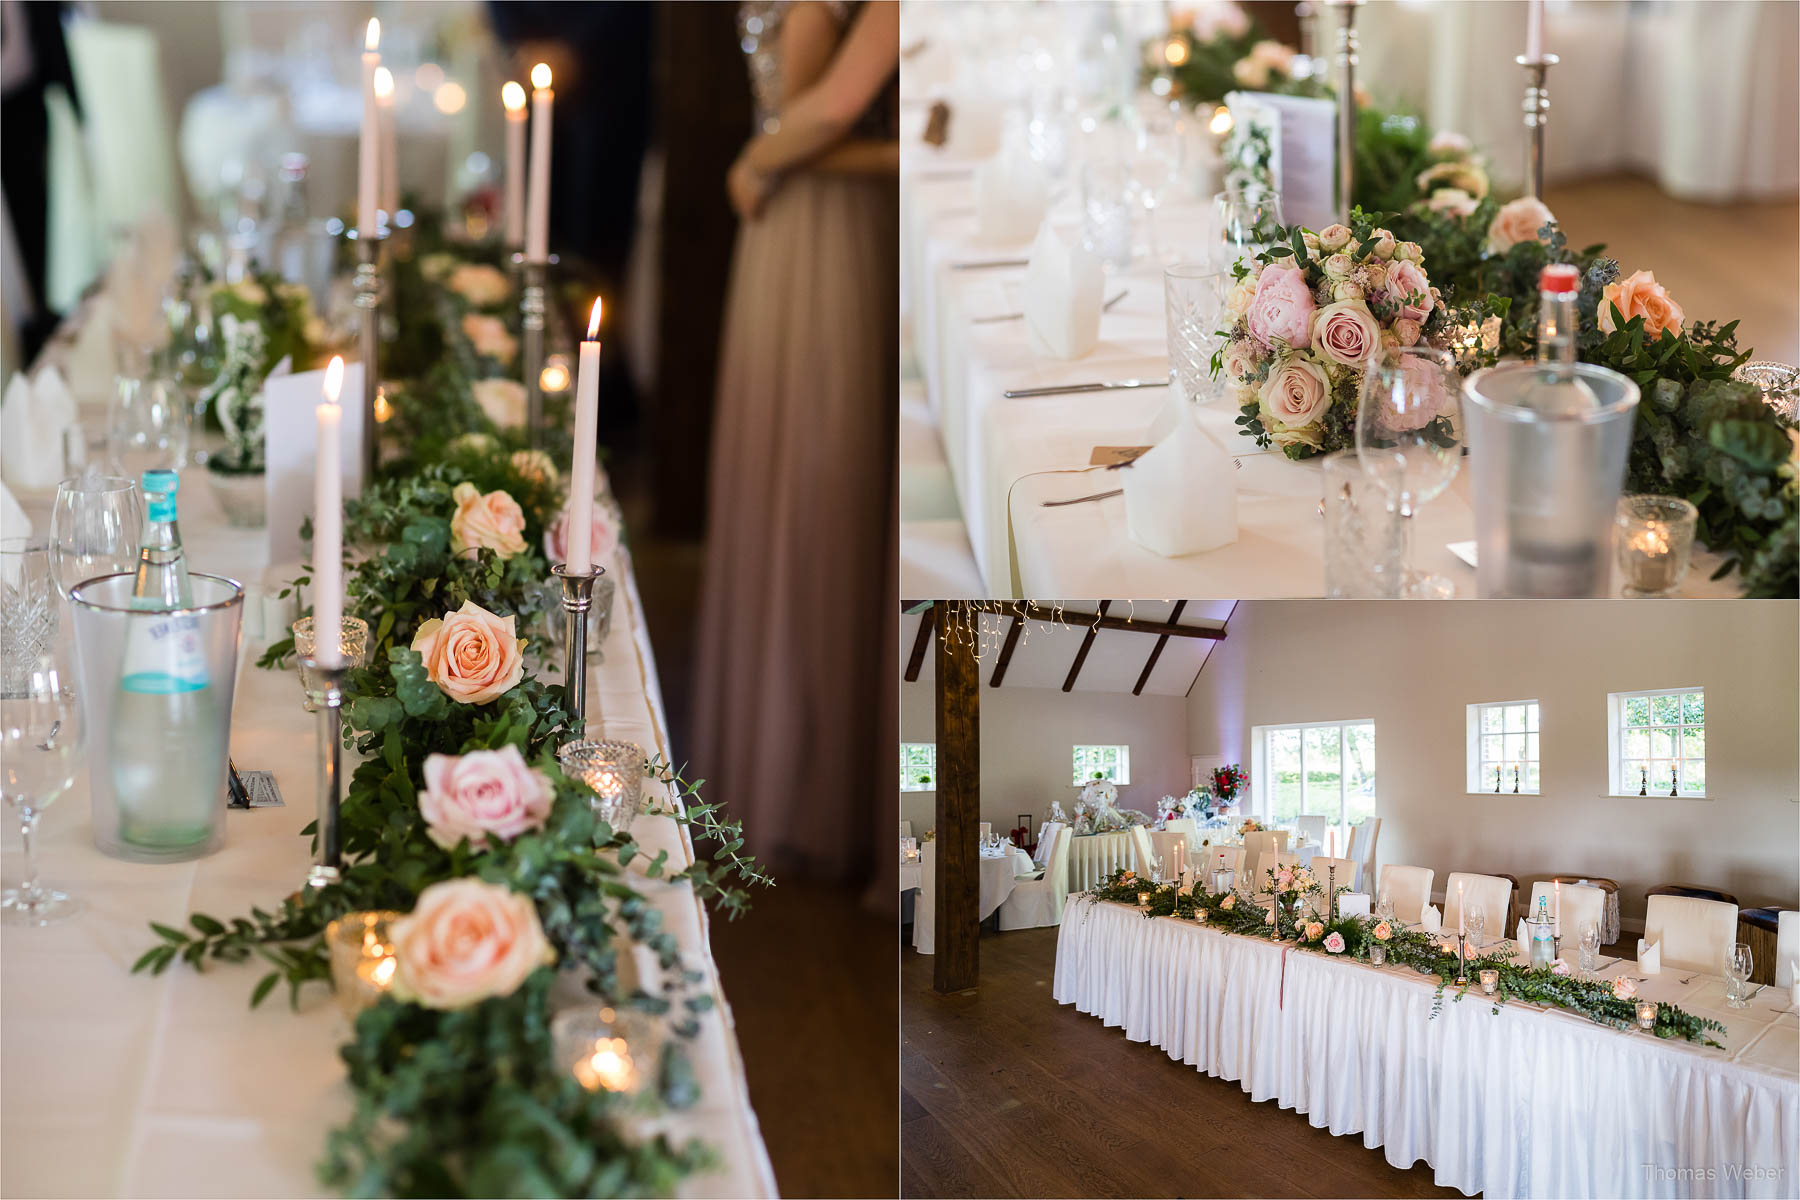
<point>604,1049</point>
<point>1106,211</point>
<point>1476,923</point>
<point>362,958</point>
<point>1406,416</point>
<point>615,770</point>
<point>1155,169</point>
<point>1193,299</point>
<point>1587,953</point>
<point>1365,536</point>
<point>1490,981</point>
<point>41,733</point>
<point>1655,541</point>
<point>1247,220</point>
<point>1378,953</point>
<point>1778,382</point>
<point>94,528</point>
<point>29,610</point>
<point>353,644</point>
<point>150,424</point>
<point>1646,1014</point>
<point>1738,965</point>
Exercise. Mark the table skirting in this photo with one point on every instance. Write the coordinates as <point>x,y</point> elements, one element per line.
<point>1094,856</point>
<point>1523,1102</point>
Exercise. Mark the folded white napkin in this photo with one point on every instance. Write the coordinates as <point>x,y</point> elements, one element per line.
<point>1649,957</point>
<point>1012,194</point>
<point>1353,904</point>
<point>1523,937</point>
<point>1431,920</point>
<point>1062,295</point>
<point>1181,494</point>
<point>14,521</point>
<point>977,119</point>
<point>33,416</point>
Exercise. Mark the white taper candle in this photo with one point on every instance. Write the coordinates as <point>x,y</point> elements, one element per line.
<point>537,223</point>
<point>389,197</point>
<point>513,97</point>
<point>368,164</point>
<point>328,525</point>
<point>581,469</point>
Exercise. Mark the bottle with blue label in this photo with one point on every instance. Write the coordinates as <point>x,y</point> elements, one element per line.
<point>166,734</point>
<point>1543,936</point>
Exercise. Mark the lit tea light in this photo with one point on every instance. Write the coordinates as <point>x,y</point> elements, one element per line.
<point>362,958</point>
<point>1646,1014</point>
<point>1221,121</point>
<point>1377,953</point>
<point>609,1067</point>
<point>605,1050</point>
<point>1490,981</point>
<point>1656,537</point>
<point>1143,899</point>
<point>615,771</point>
<point>1175,52</point>
<point>555,376</point>
<point>384,411</point>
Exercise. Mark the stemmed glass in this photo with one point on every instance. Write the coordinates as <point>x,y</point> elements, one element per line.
<point>1247,218</point>
<point>149,425</point>
<point>1588,949</point>
<point>1155,170</point>
<point>94,528</point>
<point>1407,415</point>
<point>1476,923</point>
<point>1738,964</point>
<point>40,748</point>
<point>28,610</point>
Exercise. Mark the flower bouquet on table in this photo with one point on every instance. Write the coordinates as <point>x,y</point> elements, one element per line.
<point>1227,782</point>
<point>1196,59</point>
<point>1251,825</point>
<point>1097,811</point>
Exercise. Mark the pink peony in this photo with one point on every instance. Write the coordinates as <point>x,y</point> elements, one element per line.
<point>1335,943</point>
<point>482,795</point>
<point>471,654</point>
<point>1421,378</point>
<point>466,940</point>
<point>1297,393</point>
<point>1639,295</point>
<point>1282,309</point>
<point>605,536</point>
<point>1346,332</point>
<point>1518,221</point>
<point>1409,289</point>
<point>486,521</point>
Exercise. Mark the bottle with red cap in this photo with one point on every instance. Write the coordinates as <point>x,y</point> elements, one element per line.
<point>1558,391</point>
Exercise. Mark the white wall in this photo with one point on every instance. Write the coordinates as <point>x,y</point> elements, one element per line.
<point>1026,740</point>
<point>1415,668</point>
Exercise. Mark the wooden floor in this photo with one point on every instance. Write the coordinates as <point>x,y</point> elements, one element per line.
<point>1006,1093</point>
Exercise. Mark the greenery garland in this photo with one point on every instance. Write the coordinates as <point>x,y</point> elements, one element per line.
<point>1236,913</point>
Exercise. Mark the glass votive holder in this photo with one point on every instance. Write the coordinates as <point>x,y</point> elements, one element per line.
<point>353,643</point>
<point>1490,982</point>
<point>362,958</point>
<point>615,770</point>
<point>604,1049</point>
<point>1655,542</point>
<point>1378,953</point>
<point>1143,899</point>
<point>1646,1014</point>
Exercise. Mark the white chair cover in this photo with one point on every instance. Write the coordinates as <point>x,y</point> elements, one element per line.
<point>1362,847</point>
<point>1581,903</point>
<point>118,71</point>
<point>1489,895</point>
<point>1036,902</point>
<point>1225,858</point>
<point>1311,827</point>
<point>1409,888</point>
<point>1046,841</point>
<point>1694,934</point>
<point>987,830</point>
<point>1259,851</point>
<point>1787,948</point>
<point>1344,876</point>
<point>1142,851</point>
<point>1290,861</point>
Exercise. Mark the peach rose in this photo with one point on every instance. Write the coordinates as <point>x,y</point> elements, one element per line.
<point>1333,238</point>
<point>1518,221</point>
<point>1409,290</point>
<point>1452,202</point>
<point>1250,72</point>
<point>1345,332</point>
<point>1282,308</point>
<point>1463,175</point>
<point>1296,393</point>
<point>1237,300</point>
<point>502,401</point>
<point>1274,55</point>
<point>479,284</point>
<point>1407,332</point>
<point>483,795</point>
<point>1383,931</point>
<point>487,521</point>
<point>488,335</point>
<point>534,465</point>
<point>1639,295</point>
<point>471,654</point>
<point>606,535</point>
<point>464,941</point>
<point>1314,931</point>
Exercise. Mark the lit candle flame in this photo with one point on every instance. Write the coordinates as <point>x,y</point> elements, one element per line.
<point>594,321</point>
<point>1221,120</point>
<point>513,96</point>
<point>334,379</point>
<point>540,76</point>
<point>384,83</point>
<point>609,1066</point>
<point>372,39</point>
<point>383,973</point>
<point>1175,52</point>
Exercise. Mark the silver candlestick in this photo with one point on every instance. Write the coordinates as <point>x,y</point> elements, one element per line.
<point>1462,959</point>
<point>1537,115</point>
<point>1346,105</point>
<point>531,305</point>
<point>577,595</point>
<point>368,313</point>
<point>328,700</point>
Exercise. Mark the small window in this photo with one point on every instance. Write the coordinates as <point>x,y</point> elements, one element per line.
<point>918,766</point>
<point>1503,747</point>
<point>1658,742</point>
<point>1102,762</point>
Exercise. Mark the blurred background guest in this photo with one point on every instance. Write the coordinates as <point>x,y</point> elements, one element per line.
<point>33,60</point>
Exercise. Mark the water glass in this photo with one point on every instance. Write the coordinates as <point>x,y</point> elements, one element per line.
<point>1655,541</point>
<point>1738,965</point>
<point>41,733</point>
<point>1588,949</point>
<point>1155,169</point>
<point>615,770</point>
<point>28,611</point>
<point>1106,199</point>
<point>1406,417</point>
<point>353,644</point>
<point>1248,221</point>
<point>94,528</point>
<point>1476,923</point>
<point>150,423</point>
<point>1193,300</point>
<point>1365,535</point>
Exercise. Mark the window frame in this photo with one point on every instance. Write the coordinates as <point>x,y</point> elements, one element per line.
<point>1616,730</point>
<point>1261,798</point>
<point>1478,765</point>
<point>907,784</point>
<point>1121,764</point>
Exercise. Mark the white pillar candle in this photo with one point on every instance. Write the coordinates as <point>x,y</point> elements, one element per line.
<point>1556,909</point>
<point>1534,29</point>
<point>1461,922</point>
<point>581,469</point>
<point>368,168</point>
<point>389,156</point>
<point>328,525</point>
<point>513,97</point>
<point>537,222</point>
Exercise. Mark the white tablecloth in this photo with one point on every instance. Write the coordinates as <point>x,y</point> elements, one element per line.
<point>998,874</point>
<point>1522,1102</point>
<point>1094,856</point>
<point>136,1085</point>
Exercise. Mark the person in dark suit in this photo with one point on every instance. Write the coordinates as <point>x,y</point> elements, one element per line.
<point>32,58</point>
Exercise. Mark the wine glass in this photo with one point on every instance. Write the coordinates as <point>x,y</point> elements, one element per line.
<point>1738,964</point>
<point>1407,417</point>
<point>1588,952</point>
<point>40,748</point>
<point>94,528</point>
<point>149,425</point>
<point>1248,219</point>
<point>1477,924</point>
<point>28,610</point>
<point>1155,169</point>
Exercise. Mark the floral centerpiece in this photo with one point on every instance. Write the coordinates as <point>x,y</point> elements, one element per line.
<point>1196,59</point>
<point>1097,811</point>
<point>1227,782</point>
<point>1251,825</point>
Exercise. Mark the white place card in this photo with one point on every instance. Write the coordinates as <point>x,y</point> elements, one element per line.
<point>290,430</point>
<point>1353,904</point>
<point>1294,140</point>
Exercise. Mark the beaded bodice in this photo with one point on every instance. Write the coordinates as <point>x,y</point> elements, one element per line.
<point>759,35</point>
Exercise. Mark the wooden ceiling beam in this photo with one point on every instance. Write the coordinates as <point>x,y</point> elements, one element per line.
<point>1073,619</point>
<point>1087,643</point>
<point>1156,650</point>
<point>927,623</point>
<point>1006,651</point>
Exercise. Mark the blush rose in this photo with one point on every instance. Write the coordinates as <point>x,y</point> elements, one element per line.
<point>1282,308</point>
<point>486,521</point>
<point>483,795</point>
<point>471,654</point>
<point>464,941</point>
<point>1639,295</point>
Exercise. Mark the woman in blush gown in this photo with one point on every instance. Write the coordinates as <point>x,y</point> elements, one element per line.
<point>796,697</point>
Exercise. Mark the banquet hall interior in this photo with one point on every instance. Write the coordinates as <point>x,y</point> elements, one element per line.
<point>167,163</point>
<point>1102,803</point>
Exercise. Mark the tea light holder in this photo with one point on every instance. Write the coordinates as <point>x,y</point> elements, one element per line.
<point>605,1050</point>
<point>615,770</point>
<point>1143,899</point>
<point>353,645</point>
<point>328,702</point>
<point>1490,981</point>
<point>1646,1014</point>
<point>577,598</point>
<point>1655,542</point>
<point>1378,953</point>
<point>362,958</point>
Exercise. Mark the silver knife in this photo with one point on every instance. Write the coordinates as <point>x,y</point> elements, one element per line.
<point>1019,316</point>
<point>986,263</point>
<point>1067,388</point>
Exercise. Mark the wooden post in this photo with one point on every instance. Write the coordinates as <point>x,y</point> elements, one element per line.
<point>958,928</point>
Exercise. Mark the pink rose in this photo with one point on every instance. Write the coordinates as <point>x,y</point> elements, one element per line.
<point>1335,943</point>
<point>605,535</point>
<point>502,401</point>
<point>1452,202</point>
<point>1409,289</point>
<point>1282,308</point>
<point>1421,378</point>
<point>489,336</point>
<point>1624,987</point>
<point>1383,931</point>
<point>1639,295</point>
<point>471,654</point>
<point>1345,332</point>
<point>482,795</point>
<point>487,521</point>
<point>1297,393</point>
<point>1407,332</point>
<point>1240,359</point>
<point>466,940</point>
<point>1518,221</point>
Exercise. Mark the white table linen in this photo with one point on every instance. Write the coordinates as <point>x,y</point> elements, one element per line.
<point>1521,1102</point>
<point>998,873</point>
<point>1094,856</point>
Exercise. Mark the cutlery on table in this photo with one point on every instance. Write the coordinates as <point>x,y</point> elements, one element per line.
<point>1070,388</point>
<point>1019,316</point>
<point>1104,495</point>
<point>983,264</point>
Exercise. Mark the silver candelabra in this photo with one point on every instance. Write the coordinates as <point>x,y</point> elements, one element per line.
<point>532,307</point>
<point>328,699</point>
<point>1537,115</point>
<point>577,597</point>
<point>1346,105</point>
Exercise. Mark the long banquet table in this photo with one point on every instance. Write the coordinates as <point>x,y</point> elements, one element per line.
<point>1523,1101</point>
<point>134,1085</point>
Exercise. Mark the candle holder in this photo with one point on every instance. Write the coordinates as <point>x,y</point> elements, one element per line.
<point>367,283</point>
<point>532,308</point>
<point>1462,960</point>
<point>1646,1014</point>
<point>577,597</point>
<point>362,958</point>
<point>328,702</point>
<point>353,646</point>
<point>1346,105</point>
<point>1537,115</point>
<point>1655,543</point>
<point>1490,981</point>
<point>1377,953</point>
<point>605,1050</point>
<point>615,770</point>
